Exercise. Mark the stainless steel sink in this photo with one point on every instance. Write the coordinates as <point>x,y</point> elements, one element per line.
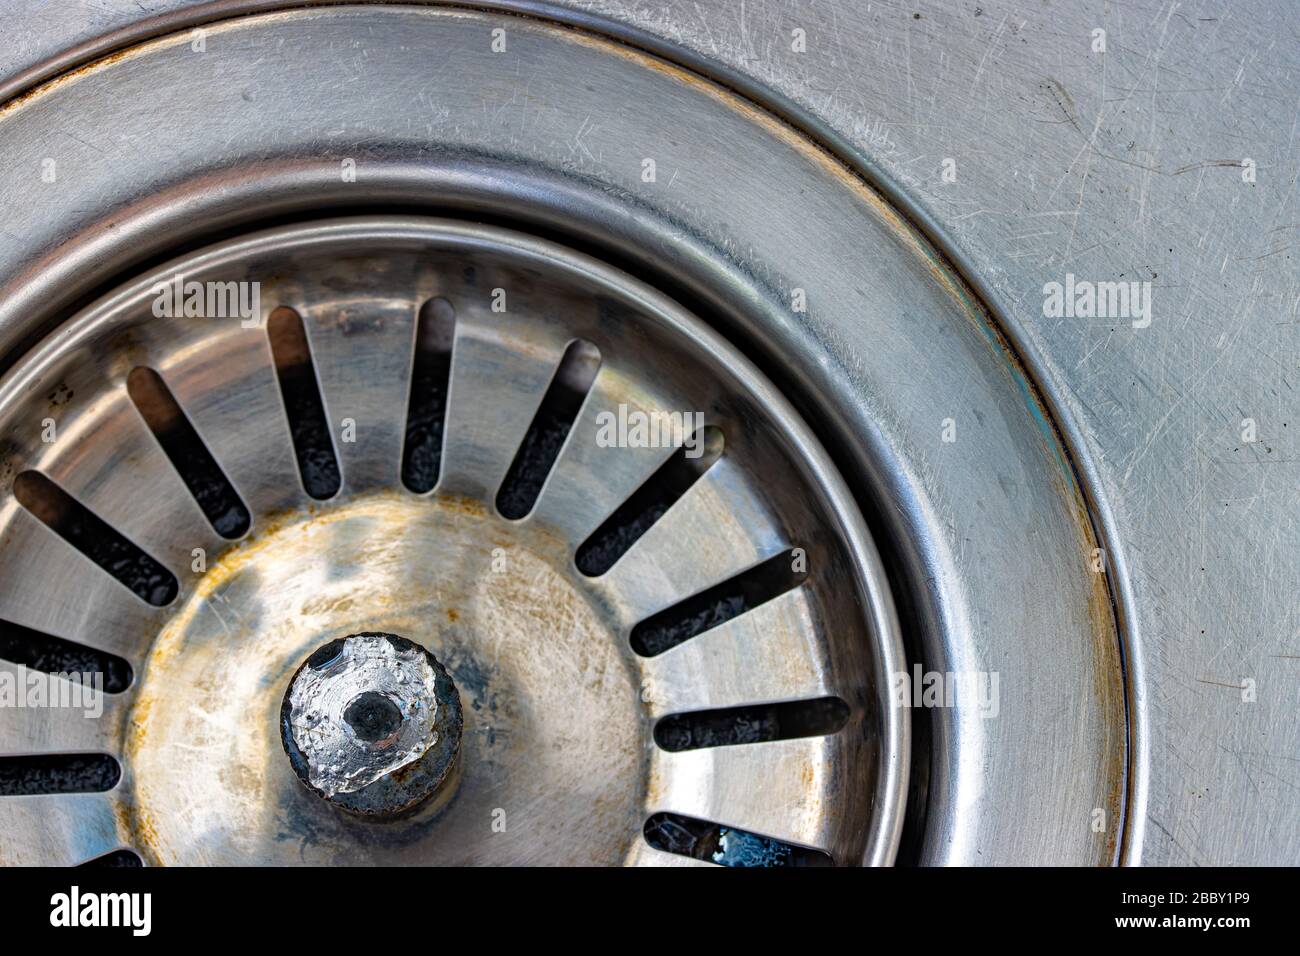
<point>966,531</point>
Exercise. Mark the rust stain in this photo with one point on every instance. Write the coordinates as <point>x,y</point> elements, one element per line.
<point>63,79</point>
<point>136,829</point>
<point>59,396</point>
<point>460,504</point>
<point>1108,675</point>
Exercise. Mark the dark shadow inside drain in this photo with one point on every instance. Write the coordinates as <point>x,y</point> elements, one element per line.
<point>215,496</point>
<point>118,859</point>
<point>648,503</point>
<point>94,538</point>
<point>309,429</point>
<point>550,427</point>
<point>39,651</point>
<point>34,774</point>
<point>717,605</point>
<point>753,724</point>
<point>427,407</point>
<point>725,846</point>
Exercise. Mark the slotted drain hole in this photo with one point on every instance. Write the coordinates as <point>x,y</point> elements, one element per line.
<point>635,516</point>
<point>118,859</point>
<point>718,604</point>
<point>33,774</point>
<point>550,427</point>
<point>318,466</point>
<point>427,408</point>
<point>753,724</point>
<point>95,538</point>
<point>202,475</point>
<point>44,652</point>
<point>725,846</point>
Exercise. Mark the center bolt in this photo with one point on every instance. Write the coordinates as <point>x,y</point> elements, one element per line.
<point>372,724</point>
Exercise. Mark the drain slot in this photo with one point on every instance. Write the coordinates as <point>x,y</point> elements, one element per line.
<point>202,475</point>
<point>94,538</point>
<point>426,412</point>
<point>118,859</point>
<point>754,724</point>
<point>550,427</point>
<point>36,774</point>
<point>53,655</point>
<point>647,504</point>
<point>309,428</point>
<point>726,846</point>
<point>717,605</point>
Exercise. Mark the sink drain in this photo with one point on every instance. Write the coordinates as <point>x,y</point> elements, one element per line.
<point>668,651</point>
<point>656,602</point>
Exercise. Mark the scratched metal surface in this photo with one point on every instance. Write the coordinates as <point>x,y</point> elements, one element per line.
<point>1105,165</point>
<point>1118,165</point>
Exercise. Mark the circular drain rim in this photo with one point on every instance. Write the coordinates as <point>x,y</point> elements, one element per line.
<point>292,244</point>
<point>992,793</point>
